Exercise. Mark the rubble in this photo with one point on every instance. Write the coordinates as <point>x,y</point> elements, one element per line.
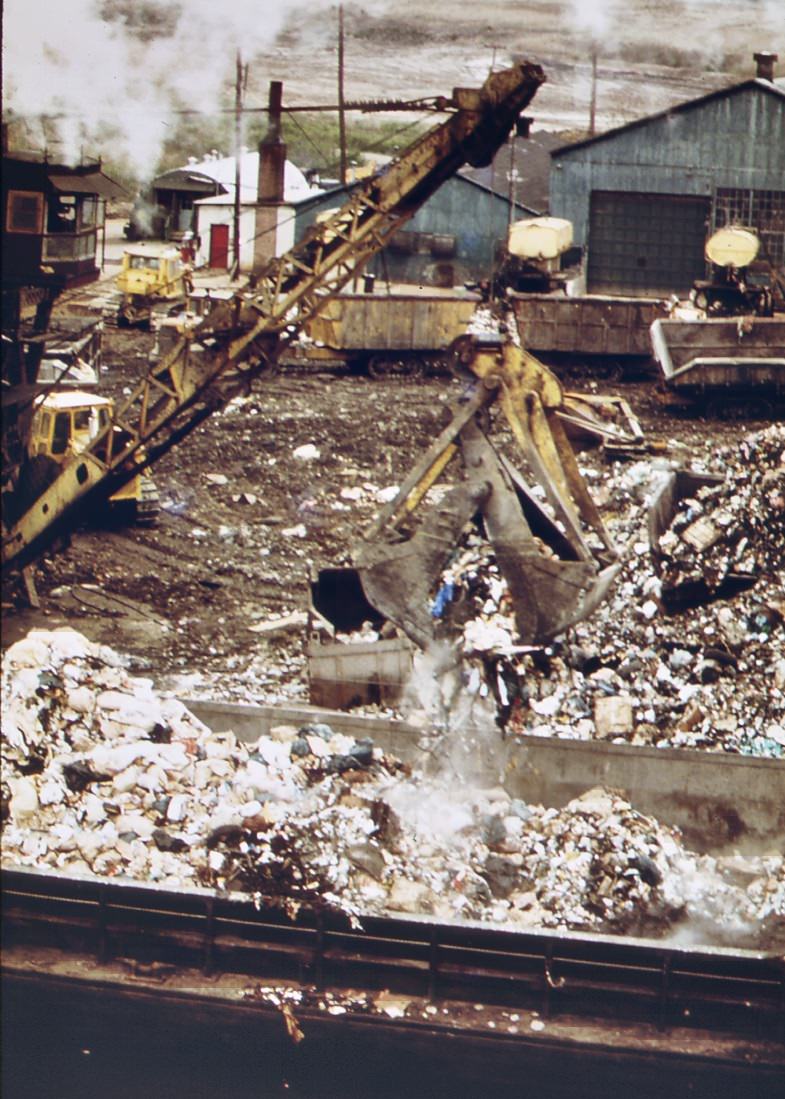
<point>707,677</point>
<point>103,776</point>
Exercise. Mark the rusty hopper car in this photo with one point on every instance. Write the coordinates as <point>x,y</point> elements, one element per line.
<point>586,325</point>
<point>730,365</point>
<point>398,333</point>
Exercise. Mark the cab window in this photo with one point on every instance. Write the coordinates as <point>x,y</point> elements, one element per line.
<point>141,262</point>
<point>62,432</point>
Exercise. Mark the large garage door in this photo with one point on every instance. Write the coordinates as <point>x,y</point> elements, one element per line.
<point>646,244</point>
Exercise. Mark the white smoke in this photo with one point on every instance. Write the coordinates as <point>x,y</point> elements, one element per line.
<point>593,17</point>
<point>131,68</point>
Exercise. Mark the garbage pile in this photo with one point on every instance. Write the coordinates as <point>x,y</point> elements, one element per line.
<point>711,676</point>
<point>735,527</point>
<point>103,777</point>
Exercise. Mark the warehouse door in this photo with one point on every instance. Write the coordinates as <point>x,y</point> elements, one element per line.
<point>646,244</point>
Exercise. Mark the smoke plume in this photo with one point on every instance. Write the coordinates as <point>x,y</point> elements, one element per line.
<point>121,67</point>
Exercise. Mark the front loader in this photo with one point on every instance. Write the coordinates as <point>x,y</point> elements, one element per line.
<point>557,562</point>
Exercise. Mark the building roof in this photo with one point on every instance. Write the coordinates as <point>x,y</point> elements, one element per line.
<point>82,179</point>
<point>216,175</point>
<point>771,87</point>
<point>498,192</point>
<point>89,183</point>
<point>532,165</point>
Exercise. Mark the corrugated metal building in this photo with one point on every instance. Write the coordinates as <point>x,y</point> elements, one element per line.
<point>453,238</point>
<point>643,198</point>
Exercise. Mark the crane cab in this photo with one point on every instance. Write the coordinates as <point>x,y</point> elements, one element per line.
<point>65,423</point>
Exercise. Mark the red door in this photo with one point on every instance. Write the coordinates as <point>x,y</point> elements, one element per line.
<point>219,246</point>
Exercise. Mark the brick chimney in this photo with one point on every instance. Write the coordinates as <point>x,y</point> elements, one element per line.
<point>270,184</point>
<point>765,62</point>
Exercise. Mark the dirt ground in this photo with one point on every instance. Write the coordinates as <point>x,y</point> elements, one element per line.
<point>245,523</point>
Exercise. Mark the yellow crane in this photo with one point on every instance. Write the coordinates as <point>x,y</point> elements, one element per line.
<point>242,339</point>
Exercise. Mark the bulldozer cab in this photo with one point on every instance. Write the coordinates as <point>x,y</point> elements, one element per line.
<point>65,423</point>
<point>152,271</point>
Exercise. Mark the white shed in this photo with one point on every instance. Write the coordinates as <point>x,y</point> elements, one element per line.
<point>215,215</point>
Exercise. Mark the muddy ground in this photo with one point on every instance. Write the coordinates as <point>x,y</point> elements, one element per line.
<point>244,522</point>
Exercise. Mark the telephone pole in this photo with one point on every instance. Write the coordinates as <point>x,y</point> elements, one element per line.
<point>241,75</point>
<point>341,103</point>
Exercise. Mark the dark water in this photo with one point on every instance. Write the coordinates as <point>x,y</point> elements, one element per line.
<point>64,1043</point>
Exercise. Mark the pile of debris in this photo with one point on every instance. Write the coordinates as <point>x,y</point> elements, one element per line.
<point>103,777</point>
<point>711,676</point>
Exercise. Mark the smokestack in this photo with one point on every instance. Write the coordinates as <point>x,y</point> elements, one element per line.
<point>272,150</point>
<point>765,62</point>
<point>269,191</point>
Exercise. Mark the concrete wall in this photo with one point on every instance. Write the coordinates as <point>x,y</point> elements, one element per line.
<point>717,800</point>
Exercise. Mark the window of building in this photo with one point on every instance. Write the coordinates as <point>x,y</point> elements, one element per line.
<point>24,212</point>
<point>62,214</point>
<point>88,212</point>
<point>763,211</point>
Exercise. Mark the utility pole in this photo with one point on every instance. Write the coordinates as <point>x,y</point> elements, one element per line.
<point>593,100</point>
<point>341,103</point>
<point>241,76</point>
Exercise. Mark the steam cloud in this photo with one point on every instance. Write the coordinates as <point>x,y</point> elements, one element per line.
<point>125,64</point>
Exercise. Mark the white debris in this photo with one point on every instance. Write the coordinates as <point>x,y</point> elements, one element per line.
<point>307,453</point>
<point>310,814</point>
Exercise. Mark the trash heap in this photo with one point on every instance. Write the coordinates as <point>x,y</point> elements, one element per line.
<point>735,527</point>
<point>711,676</point>
<point>103,777</point>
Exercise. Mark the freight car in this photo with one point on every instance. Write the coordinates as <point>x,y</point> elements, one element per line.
<point>404,332</point>
<point>727,367</point>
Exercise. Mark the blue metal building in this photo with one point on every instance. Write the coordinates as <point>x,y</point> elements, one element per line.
<point>644,197</point>
<point>455,237</point>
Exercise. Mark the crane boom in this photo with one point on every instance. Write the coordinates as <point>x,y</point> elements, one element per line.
<point>241,339</point>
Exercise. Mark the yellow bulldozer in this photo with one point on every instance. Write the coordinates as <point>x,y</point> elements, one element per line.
<point>151,275</point>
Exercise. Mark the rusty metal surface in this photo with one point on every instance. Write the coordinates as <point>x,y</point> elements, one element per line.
<point>739,353</point>
<point>591,325</point>
<point>722,991</point>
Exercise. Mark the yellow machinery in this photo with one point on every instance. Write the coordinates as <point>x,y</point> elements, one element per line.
<point>64,424</point>
<point>558,563</point>
<point>555,572</point>
<point>150,273</point>
<point>236,341</point>
<point>731,252</point>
